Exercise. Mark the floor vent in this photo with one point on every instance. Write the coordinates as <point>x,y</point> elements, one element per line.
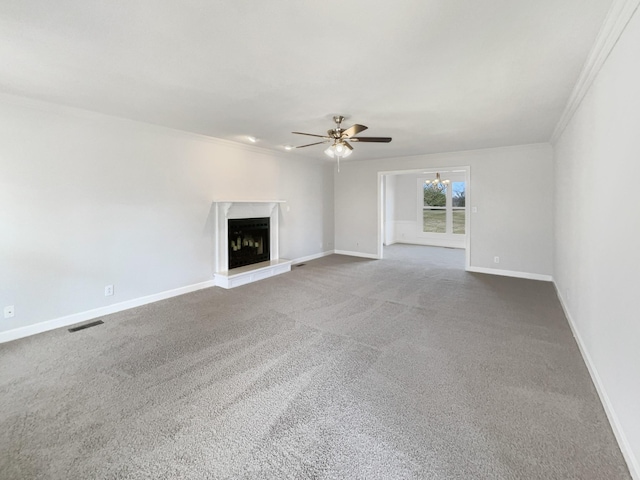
<point>301,265</point>
<point>86,325</point>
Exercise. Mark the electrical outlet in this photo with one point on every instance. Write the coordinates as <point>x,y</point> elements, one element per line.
<point>9,311</point>
<point>496,259</point>
<point>108,290</point>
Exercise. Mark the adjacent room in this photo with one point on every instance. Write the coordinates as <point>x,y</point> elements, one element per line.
<point>319,240</point>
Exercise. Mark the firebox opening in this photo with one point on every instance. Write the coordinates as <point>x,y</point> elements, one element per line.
<point>248,241</point>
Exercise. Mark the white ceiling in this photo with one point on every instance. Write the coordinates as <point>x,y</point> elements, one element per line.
<point>436,75</point>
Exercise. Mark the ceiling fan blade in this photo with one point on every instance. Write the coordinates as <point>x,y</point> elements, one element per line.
<point>346,144</point>
<point>310,134</point>
<point>354,130</point>
<point>371,139</point>
<point>308,145</point>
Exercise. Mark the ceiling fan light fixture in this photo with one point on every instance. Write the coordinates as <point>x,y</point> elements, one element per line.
<point>338,150</point>
<point>341,139</point>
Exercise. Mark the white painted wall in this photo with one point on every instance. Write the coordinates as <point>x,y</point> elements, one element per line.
<point>405,207</point>
<point>389,205</point>
<point>597,165</point>
<point>510,186</point>
<point>88,200</point>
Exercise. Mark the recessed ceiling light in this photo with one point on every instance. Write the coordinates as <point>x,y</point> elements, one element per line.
<point>252,139</point>
<point>288,147</point>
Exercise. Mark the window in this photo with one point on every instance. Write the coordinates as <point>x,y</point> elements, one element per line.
<point>458,204</point>
<point>443,204</point>
<point>434,209</point>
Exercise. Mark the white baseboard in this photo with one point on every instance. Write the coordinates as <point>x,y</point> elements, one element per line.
<point>409,232</point>
<point>20,332</point>
<point>511,273</point>
<point>623,443</point>
<point>357,254</point>
<point>308,258</point>
<point>68,320</point>
<point>431,243</point>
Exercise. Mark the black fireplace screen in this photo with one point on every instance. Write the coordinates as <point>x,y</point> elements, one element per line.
<point>248,241</point>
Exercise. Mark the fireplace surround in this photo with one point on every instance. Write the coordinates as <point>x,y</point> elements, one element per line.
<point>227,272</point>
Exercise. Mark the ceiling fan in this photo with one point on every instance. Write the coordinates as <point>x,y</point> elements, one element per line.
<point>340,138</point>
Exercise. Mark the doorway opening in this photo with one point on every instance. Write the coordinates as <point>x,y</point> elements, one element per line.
<point>428,206</point>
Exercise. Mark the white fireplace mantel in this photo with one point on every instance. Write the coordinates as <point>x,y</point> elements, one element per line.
<point>232,209</point>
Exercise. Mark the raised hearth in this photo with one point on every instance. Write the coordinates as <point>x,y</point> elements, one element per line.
<point>230,266</point>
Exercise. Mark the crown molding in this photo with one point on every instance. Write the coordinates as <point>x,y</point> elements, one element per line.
<point>618,17</point>
<point>464,154</point>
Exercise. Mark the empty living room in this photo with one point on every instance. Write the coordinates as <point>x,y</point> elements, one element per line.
<point>319,240</point>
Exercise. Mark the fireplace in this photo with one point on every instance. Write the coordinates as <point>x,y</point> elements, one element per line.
<point>248,241</point>
<point>246,234</point>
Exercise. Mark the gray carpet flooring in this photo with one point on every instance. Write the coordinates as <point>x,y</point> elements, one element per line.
<point>407,367</point>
